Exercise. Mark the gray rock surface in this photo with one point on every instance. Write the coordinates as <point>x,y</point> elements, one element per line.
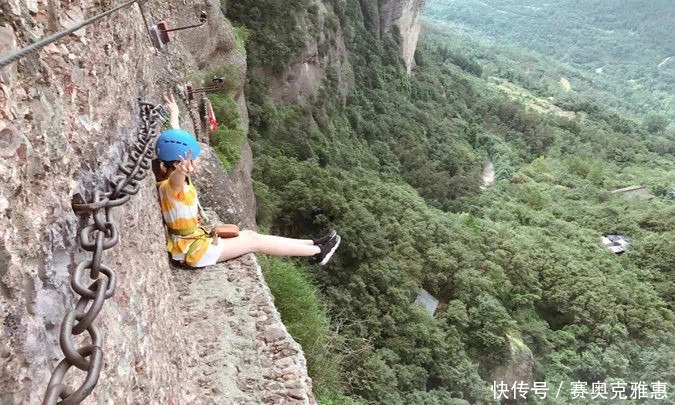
<point>304,74</point>
<point>409,24</point>
<point>404,14</point>
<point>519,366</point>
<point>301,78</point>
<point>230,195</point>
<point>243,353</point>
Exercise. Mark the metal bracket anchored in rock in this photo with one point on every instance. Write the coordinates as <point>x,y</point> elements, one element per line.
<point>159,33</point>
<point>218,85</point>
<point>100,234</point>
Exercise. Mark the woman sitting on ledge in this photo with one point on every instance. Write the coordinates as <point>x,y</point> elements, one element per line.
<point>187,241</point>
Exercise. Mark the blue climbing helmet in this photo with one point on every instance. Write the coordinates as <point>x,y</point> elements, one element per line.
<point>174,143</point>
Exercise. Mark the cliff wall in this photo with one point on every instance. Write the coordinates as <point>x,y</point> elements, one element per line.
<point>67,117</point>
<point>327,48</point>
<point>406,16</point>
<point>307,70</point>
<point>382,15</point>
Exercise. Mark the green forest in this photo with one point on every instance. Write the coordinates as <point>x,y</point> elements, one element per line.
<point>396,168</point>
<point>618,53</point>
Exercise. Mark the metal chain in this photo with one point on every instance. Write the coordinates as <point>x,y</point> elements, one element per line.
<point>53,38</point>
<point>196,123</point>
<point>96,237</point>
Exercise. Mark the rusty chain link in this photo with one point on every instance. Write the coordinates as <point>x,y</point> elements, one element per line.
<point>196,122</point>
<point>96,237</point>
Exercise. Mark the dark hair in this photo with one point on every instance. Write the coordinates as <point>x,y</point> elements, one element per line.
<point>168,169</point>
<point>162,173</point>
<point>169,163</point>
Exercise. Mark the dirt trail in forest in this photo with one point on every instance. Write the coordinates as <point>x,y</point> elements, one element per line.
<point>664,62</point>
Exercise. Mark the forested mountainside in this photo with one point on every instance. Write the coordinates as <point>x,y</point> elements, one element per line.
<point>393,162</point>
<point>618,53</point>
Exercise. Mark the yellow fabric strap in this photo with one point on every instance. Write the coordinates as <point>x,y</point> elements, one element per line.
<point>182,232</point>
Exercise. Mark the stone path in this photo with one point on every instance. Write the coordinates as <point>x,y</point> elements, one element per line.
<point>243,353</point>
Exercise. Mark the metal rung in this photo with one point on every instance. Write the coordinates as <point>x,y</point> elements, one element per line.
<point>159,33</point>
<point>157,38</point>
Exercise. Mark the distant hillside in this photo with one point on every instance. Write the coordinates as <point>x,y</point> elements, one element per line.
<point>620,50</point>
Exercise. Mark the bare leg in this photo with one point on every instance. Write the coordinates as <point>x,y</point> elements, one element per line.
<point>252,242</point>
<point>281,239</point>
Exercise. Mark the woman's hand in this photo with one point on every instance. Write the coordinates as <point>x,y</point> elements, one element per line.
<point>185,166</point>
<point>181,170</point>
<point>172,107</point>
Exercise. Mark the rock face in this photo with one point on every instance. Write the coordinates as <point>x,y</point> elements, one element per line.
<point>409,24</point>
<point>67,117</point>
<point>519,367</point>
<point>301,78</point>
<point>488,175</point>
<point>381,16</point>
<point>225,192</point>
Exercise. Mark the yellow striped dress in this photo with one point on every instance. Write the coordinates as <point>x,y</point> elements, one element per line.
<point>185,239</point>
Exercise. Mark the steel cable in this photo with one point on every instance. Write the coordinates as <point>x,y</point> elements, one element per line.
<point>53,38</point>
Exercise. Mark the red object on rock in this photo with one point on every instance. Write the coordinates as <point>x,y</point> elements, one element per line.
<point>213,124</point>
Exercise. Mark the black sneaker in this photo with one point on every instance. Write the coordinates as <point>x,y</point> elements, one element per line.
<point>324,239</point>
<point>327,250</point>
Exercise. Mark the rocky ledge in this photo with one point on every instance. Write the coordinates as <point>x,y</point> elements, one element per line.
<point>242,351</point>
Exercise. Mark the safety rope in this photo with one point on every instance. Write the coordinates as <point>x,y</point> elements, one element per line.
<point>96,237</point>
<point>53,38</point>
